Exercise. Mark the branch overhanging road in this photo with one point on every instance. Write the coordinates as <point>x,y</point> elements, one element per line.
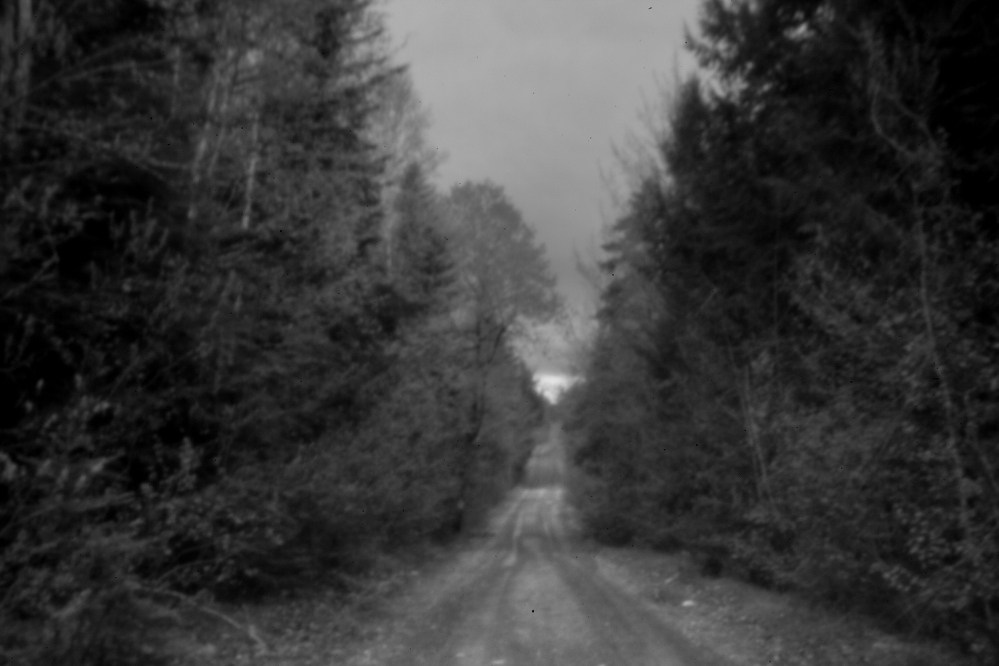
<point>532,595</point>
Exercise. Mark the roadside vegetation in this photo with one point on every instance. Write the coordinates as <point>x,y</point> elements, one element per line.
<point>796,372</point>
<point>245,346</point>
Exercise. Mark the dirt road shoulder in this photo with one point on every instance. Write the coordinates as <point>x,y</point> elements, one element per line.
<point>751,626</point>
<point>744,624</point>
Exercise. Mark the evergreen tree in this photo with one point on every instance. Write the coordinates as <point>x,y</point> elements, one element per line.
<point>821,348</point>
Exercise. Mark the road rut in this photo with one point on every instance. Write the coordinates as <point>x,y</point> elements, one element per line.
<point>532,594</point>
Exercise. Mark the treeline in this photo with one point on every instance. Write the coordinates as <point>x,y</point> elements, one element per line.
<point>797,366</point>
<point>244,343</point>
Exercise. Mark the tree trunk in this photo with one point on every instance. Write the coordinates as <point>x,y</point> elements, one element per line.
<point>212,135</point>
<point>17,32</point>
<point>946,393</point>
<point>251,169</point>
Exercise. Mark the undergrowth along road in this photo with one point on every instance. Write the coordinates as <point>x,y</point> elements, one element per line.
<point>528,590</point>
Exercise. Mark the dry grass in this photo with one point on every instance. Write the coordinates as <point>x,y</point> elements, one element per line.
<point>306,628</point>
<point>750,626</point>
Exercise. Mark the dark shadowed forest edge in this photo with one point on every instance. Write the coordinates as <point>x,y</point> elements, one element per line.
<point>247,349</point>
<point>797,367</point>
<point>251,359</point>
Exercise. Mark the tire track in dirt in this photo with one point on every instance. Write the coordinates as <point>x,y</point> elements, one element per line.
<point>532,595</point>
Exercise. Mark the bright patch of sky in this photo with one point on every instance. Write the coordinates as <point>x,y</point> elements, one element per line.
<point>534,94</point>
<point>552,385</point>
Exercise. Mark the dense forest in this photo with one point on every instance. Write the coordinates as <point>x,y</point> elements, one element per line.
<point>245,345</point>
<point>797,367</point>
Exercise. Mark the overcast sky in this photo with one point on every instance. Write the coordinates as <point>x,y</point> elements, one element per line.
<point>534,94</point>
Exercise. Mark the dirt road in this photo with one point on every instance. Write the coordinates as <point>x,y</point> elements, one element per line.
<point>532,594</point>
<point>528,591</point>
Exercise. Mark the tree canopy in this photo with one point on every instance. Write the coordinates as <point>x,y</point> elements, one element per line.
<point>795,369</point>
<point>230,356</point>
